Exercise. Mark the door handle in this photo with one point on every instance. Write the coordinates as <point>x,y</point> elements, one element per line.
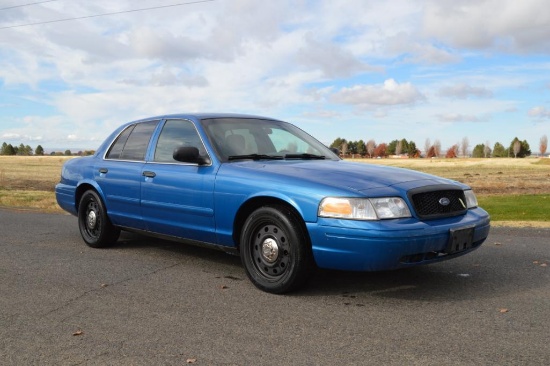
<point>103,170</point>
<point>149,174</point>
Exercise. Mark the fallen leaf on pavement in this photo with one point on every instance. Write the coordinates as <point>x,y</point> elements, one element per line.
<point>503,311</point>
<point>191,360</point>
<point>78,332</point>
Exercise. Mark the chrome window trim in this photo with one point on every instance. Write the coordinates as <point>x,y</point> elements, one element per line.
<point>120,133</point>
<point>164,121</point>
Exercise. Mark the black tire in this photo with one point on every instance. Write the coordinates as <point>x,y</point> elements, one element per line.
<point>275,250</point>
<point>94,224</point>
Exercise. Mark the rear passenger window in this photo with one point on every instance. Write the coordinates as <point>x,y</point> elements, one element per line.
<point>133,142</point>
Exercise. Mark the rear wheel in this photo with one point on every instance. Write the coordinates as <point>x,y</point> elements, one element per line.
<point>95,227</point>
<point>275,250</point>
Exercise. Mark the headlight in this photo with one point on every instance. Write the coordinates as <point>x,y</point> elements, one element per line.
<point>364,208</point>
<point>390,207</point>
<point>471,200</point>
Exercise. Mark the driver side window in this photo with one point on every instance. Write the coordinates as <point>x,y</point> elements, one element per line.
<point>176,133</point>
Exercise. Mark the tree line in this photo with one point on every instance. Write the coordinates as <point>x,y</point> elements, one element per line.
<point>26,150</point>
<point>370,149</point>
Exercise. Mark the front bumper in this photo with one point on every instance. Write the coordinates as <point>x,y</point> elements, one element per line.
<point>390,244</point>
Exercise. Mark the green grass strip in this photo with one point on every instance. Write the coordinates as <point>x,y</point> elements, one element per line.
<point>517,207</point>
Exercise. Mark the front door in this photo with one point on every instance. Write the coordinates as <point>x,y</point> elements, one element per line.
<point>177,198</point>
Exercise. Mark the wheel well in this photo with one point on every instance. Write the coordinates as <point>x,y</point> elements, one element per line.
<point>253,204</point>
<point>80,191</point>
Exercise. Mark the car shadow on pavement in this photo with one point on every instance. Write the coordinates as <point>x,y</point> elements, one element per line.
<point>135,241</point>
<point>478,275</point>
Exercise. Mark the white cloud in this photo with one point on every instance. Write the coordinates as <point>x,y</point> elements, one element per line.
<point>388,94</point>
<point>418,51</point>
<point>333,60</point>
<point>506,25</point>
<point>539,112</point>
<point>458,117</point>
<point>464,91</point>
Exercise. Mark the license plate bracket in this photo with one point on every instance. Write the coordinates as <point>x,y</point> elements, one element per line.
<point>460,240</point>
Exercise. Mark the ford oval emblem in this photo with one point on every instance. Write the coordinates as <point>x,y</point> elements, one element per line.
<point>444,201</point>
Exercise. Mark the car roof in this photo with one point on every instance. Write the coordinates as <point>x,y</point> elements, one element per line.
<point>201,116</point>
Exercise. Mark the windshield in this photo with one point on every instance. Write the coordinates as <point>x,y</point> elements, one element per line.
<point>261,139</point>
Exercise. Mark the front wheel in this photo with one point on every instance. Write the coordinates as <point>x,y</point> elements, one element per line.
<point>275,249</point>
<point>94,224</point>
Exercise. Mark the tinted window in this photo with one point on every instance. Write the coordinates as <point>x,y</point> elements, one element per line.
<point>137,142</point>
<point>176,133</point>
<point>116,148</point>
<point>241,136</point>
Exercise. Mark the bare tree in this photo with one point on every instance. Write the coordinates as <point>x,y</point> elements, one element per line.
<point>344,149</point>
<point>437,147</point>
<point>427,145</point>
<point>543,145</point>
<point>464,146</point>
<point>516,148</point>
<point>371,145</point>
<point>487,150</point>
<point>398,148</point>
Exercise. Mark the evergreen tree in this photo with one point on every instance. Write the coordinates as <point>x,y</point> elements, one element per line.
<point>392,147</point>
<point>337,143</point>
<point>523,148</point>
<point>361,148</point>
<point>39,150</point>
<point>499,151</point>
<point>413,150</point>
<point>479,151</point>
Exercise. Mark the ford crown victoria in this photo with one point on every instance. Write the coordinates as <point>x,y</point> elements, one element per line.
<point>270,192</point>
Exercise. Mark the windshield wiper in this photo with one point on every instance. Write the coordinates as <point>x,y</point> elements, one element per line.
<point>305,156</point>
<point>255,157</point>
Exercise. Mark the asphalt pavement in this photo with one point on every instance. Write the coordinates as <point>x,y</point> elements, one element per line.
<point>152,302</point>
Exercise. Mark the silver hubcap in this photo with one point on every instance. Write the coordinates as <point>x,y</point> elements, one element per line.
<point>92,219</point>
<point>270,250</point>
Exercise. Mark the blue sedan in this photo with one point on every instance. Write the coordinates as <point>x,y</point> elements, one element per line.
<point>267,190</point>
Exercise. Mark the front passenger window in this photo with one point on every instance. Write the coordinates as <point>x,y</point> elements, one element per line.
<point>177,133</point>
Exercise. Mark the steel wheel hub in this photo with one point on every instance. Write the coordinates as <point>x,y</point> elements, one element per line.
<point>92,219</point>
<point>270,250</point>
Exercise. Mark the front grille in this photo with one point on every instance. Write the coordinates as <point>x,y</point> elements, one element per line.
<point>436,203</point>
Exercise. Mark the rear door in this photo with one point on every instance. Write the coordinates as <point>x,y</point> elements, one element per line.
<point>177,198</point>
<point>119,174</point>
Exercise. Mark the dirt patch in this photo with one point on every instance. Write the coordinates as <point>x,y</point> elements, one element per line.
<point>28,185</point>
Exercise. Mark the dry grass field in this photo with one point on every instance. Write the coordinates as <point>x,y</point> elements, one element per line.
<point>28,182</point>
<point>485,176</point>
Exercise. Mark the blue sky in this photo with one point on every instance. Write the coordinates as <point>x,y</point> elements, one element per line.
<point>382,70</point>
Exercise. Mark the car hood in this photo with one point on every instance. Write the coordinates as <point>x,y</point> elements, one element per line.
<point>340,174</point>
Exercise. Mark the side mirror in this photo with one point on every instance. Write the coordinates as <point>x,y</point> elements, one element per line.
<point>189,154</point>
<point>335,150</point>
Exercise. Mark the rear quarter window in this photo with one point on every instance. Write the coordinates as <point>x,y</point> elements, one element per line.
<point>132,143</point>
